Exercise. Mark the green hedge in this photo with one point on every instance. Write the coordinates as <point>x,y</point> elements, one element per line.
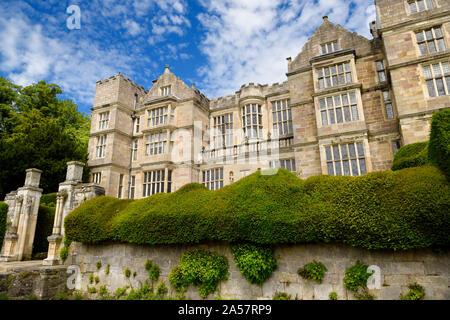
<point>49,200</point>
<point>410,156</point>
<point>44,228</point>
<point>439,149</point>
<point>397,210</point>
<point>3,217</point>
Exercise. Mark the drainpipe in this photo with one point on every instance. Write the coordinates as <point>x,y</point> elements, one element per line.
<point>133,119</point>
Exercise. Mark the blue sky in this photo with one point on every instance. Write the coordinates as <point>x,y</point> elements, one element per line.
<point>216,44</point>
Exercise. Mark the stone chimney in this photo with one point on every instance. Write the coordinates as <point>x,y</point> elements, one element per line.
<point>374,29</point>
<point>325,18</point>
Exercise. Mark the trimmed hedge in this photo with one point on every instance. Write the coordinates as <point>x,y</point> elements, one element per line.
<point>410,156</point>
<point>3,219</point>
<point>397,210</point>
<point>49,200</point>
<point>44,228</point>
<point>439,149</point>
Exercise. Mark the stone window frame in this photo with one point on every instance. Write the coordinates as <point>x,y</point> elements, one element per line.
<point>444,76</point>
<point>381,70</point>
<point>223,129</point>
<point>417,5</point>
<point>100,151</point>
<point>97,177</point>
<point>120,187</point>
<point>134,149</point>
<point>288,164</point>
<point>157,116</point>
<point>334,61</point>
<point>334,47</point>
<point>281,107</point>
<point>155,182</point>
<point>248,113</point>
<point>156,143</point>
<point>386,98</point>
<point>337,155</point>
<point>422,37</point>
<point>328,77</point>
<point>132,191</point>
<point>213,178</point>
<point>137,125</point>
<point>327,103</point>
<point>103,122</point>
<point>166,91</point>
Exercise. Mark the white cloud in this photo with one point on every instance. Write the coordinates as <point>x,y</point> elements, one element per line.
<point>133,28</point>
<point>248,41</point>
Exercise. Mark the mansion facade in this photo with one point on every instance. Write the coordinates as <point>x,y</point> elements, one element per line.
<point>347,106</point>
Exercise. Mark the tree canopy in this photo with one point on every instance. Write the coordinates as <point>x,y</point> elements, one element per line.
<point>38,130</point>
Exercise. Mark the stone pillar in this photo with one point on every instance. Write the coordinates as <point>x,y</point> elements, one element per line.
<point>18,243</point>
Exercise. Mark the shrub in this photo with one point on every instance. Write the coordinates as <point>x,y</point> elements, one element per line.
<point>199,268</point>
<point>61,296</point>
<point>405,209</point>
<point>333,295</point>
<point>127,272</point>
<point>3,219</point>
<point>256,263</point>
<point>439,149</point>
<point>411,155</point>
<point>120,292</point>
<point>99,265</point>
<point>107,269</point>
<point>356,277</point>
<point>416,292</point>
<point>314,270</point>
<point>64,253</point>
<point>97,279</point>
<point>162,290</point>
<point>48,200</point>
<point>153,270</point>
<point>44,228</point>
<point>91,278</point>
<point>282,296</point>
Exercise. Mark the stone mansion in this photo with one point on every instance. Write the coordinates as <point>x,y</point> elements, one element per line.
<point>347,106</point>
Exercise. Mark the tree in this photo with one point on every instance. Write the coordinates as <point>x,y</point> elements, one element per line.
<point>38,130</point>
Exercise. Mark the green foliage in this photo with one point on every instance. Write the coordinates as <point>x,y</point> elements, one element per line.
<point>38,130</point>
<point>364,294</point>
<point>107,270</point>
<point>333,295</point>
<point>49,200</point>
<point>32,297</point>
<point>99,265</point>
<point>103,291</point>
<point>411,155</point>
<point>92,290</point>
<point>199,268</point>
<point>153,270</point>
<point>439,149</point>
<point>121,292</point>
<point>61,296</point>
<point>416,292</point>
<point>97,279</point>
<point>405,209</point>
<point>127,272</point>
<point>44,228</point>
<point>162,290</point>
<point>4,296</point>
<point>78,295</point>
<point>146,292</point>
<point>256,263</point>
<point>91,278</point>
<point>64,253</point>
<point>314,270</point>
<point>356,277</point>
<point>282,296</point>
<point>3,218</point>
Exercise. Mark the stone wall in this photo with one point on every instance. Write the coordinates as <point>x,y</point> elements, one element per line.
<point>398,270</point>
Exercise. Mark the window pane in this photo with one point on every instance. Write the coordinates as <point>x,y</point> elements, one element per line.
<point>336,153</point>
<point>332,118</point>
<point>427,72</point>
<point>423,48</point>
<point>339,115</point>
<point>344,151</point>
<point>346,165</point>
<point>360,149</point>
<point>330,168</point>
<point>337,166</point>
<point>337,101</point>
<point>355,113</point>
<point>447,79</point>
<point>441,45</point>
<point>431,46</point>
<point>421,5</point>
<point>362,166</point>
<point>440,86</point>
<point>328,153</point>
<point>389,111</point>
<point>330,102</point>
<point>347,114</point>
<point>436,70</point>
<point>349,77</point>
<point>355,171</point>
<point>431,90</point>
<point>446,67</point>
<point>430,4</point>
<point>413,7</point>
<point>351,148</point>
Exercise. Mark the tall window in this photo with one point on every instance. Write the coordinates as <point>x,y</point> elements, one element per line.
<point>154,182</point>
<point>223,130</point>
<point>330,47</point>
<point>137,125</point>
<point>157,117</point>
<point>213,178</point>
<point>97,177</point>
<point>132,186</point>
<point>339,109</point>
<point>437,77</point>
<point>252,121</point>
<point>381,71</point>
<point>420,5</point>
<point>101,147</point>
<point>288,164</point>
<point>282,118</point>
<point>346,159</point>
<point>388,104</point>
<point>119,194</point>
<point>135,145</point>
<point>335,75</point>
<point>156,144</point>
<point>104,120</point>
<point>396,145</point>
<point>166,91</point>
<point>430,40</point>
